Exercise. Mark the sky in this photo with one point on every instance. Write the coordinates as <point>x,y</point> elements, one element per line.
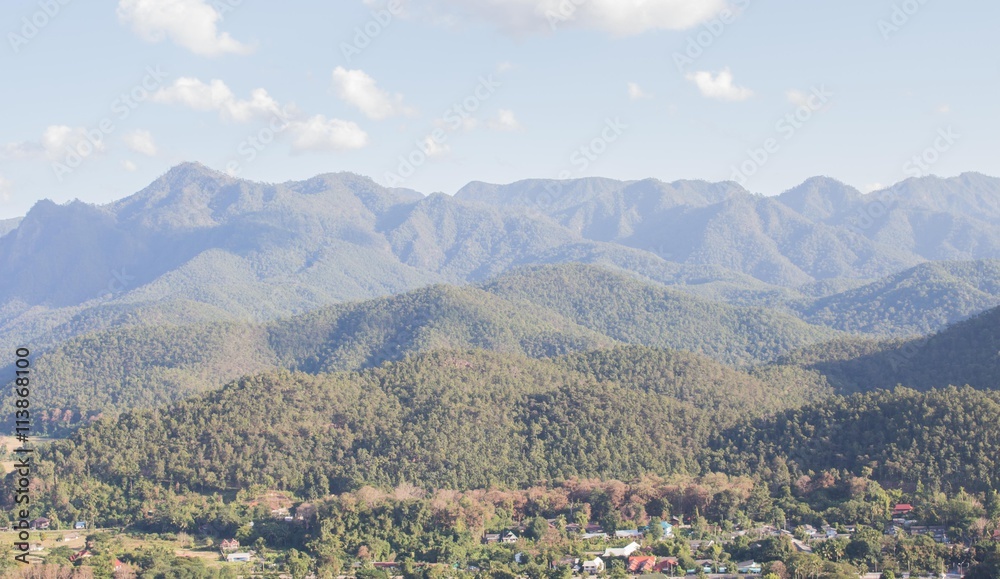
<point>102,97</point>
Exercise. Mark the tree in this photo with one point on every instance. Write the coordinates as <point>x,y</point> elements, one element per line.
<point>298,564</point>
<point>654,532</point>
<point>538,528</point>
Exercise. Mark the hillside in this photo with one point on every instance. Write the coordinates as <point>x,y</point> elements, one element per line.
<point>628,310</point>
<point>213,247</point>
<point>966,353</point>
<point>942,438</point>
<point>140,367</point>
<point>920,300</point>
<point>446,419</point>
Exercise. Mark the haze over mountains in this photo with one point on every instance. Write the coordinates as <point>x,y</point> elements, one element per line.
<point>209,334</point>
<point>213,278</point>
<point>197,245</point>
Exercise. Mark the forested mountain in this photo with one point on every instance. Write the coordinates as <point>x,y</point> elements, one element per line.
<point>941,438</point>
<point>967,353</point>
<point>445,419</point>
<point>819,230</point>
<point>540,312</point>
<point>210,247</point>
<point>923,299</point>
<point>463,420</point>
<point>631,311</point>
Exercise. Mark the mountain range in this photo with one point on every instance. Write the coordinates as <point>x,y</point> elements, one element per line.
<point>197,245</point>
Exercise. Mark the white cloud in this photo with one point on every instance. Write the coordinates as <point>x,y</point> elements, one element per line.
<point>944,109</point>
<point>191,24</point>
<point>720,86</point>
<point>619,17</point>
<point>129,166</point>
<point>434,149</point>
<point>635,92</point>
<point>505,121</point>
<point>141,141</point>
<point>316,133</point>
<point>357,88</point>
<point>871,187</point>
<point>798,98</point>
<point>319,133</point>
<point>56,142</point>
<point>216,96</point>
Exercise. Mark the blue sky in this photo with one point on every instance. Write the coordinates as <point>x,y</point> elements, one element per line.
<point>767,93</point>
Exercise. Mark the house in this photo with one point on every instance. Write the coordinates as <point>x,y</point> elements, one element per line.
<point>809,530</point>
<point>667,565</point>
<point>749,568</point>
<point>238,558</point>
<point>41,523</point>
<point>940,534</point>
<point>996,535</point>
<point>601,535</point>
<point>707,566</point>
<point>593,528</point>
<point>116,564</point>
<point>623,551</point>
<point>385,565</point>
<point>36,547</point>
<point>902,510</point>
<point>229,545</point>
<point>80,525</point>
<point>572,563</point>
<point>490,538</point>
<point>641,565</point>
<point>829,531</point>
<point>593,567</point>
<point>508,537</point>
<point>84,554</point>
<point>521,558</point>
<point>668,529</point>
<point>629,534</point>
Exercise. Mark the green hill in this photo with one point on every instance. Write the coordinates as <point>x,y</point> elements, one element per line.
<point>943,438</point>
<point>629,310</point>
<point>966,353</point>
<point>445,419</point>
<point>140,367</point>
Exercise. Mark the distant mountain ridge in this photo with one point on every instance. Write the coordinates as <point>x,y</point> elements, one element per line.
<point>205,246</point>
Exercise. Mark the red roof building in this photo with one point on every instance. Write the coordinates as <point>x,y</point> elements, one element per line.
<point>639,565</point>
<point>902,509</point>
<point>666,565</point>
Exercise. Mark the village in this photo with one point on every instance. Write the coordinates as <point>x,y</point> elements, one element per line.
<point>662,549</point>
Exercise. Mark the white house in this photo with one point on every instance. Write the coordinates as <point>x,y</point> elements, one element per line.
<point>238,557</point>
<point>622,551</point>
<point>593,567</point>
